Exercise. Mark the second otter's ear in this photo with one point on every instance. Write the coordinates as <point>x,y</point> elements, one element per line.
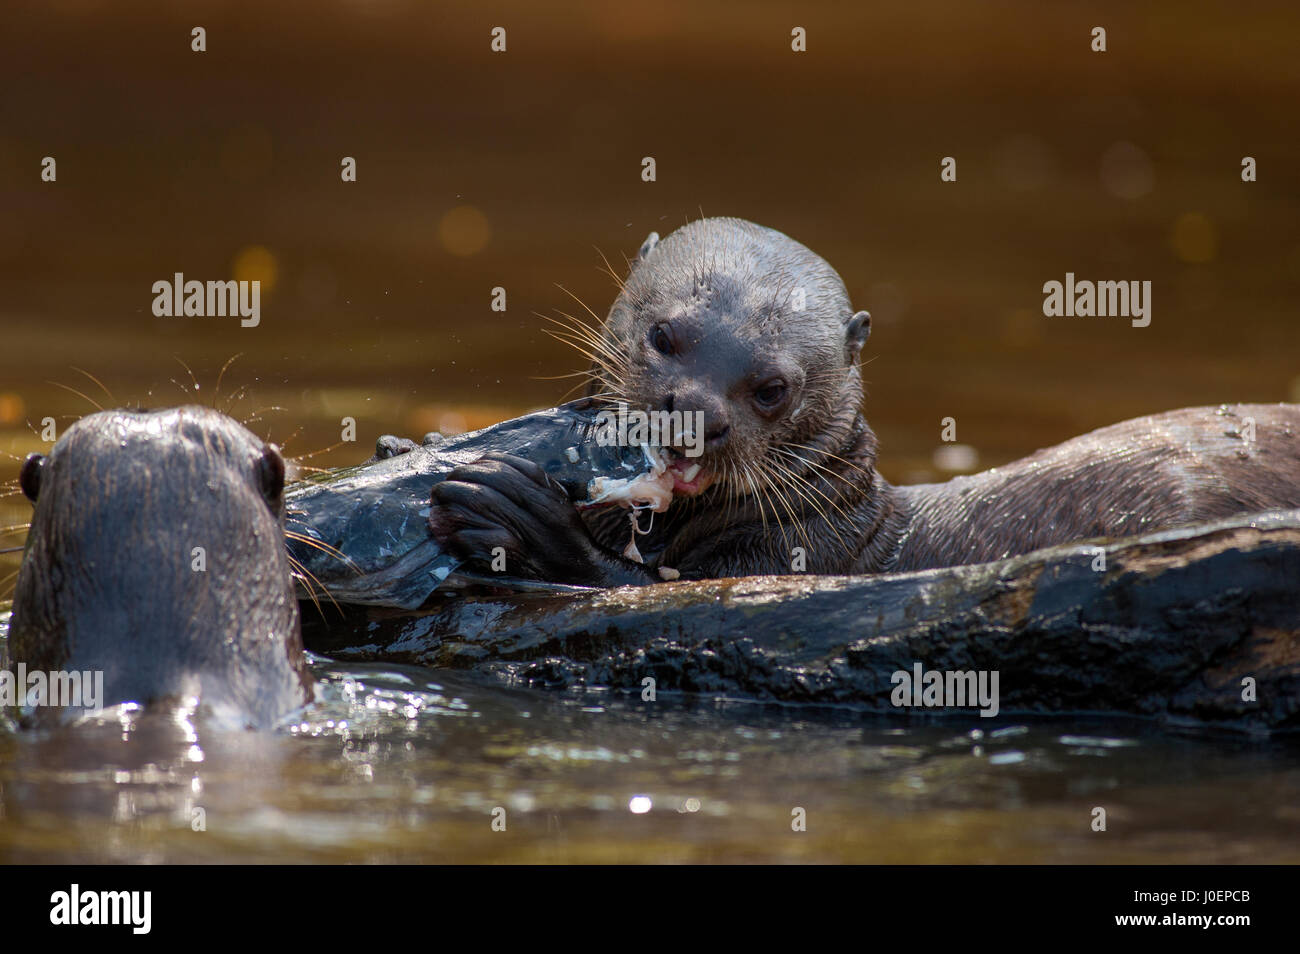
<point>856,333</point>
<point>270,473</point>
<point>29,478</point>
<point>647,246</point>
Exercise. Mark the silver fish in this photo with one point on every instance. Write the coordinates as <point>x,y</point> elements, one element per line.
<point>362,533</point>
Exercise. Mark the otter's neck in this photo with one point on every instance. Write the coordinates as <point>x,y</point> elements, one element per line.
<point>879,518</point>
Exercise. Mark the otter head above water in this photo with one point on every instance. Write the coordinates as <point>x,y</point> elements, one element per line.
<point>743,329</point>
<point>156,556</point>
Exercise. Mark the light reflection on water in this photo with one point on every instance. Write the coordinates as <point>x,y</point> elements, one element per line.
<point>395,763</point>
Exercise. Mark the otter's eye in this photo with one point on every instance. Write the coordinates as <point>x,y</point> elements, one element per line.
<point>662,341</point>
<point>771,394</point>
<point>270,473</point>
<point>29,478</point>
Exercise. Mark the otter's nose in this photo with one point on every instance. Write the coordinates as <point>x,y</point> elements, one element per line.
<point>712,411</point>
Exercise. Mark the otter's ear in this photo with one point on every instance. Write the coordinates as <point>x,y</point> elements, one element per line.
<point>647,246</point>
<point>270,473</point>
<point>856,333</point>
<point>29,478</point>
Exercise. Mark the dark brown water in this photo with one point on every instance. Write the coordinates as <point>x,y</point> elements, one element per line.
<point>520,170</point>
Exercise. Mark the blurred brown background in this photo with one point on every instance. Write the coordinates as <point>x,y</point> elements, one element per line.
<point>478,169</point>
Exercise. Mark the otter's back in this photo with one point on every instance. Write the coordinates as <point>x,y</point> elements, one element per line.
<point>1150,473</point>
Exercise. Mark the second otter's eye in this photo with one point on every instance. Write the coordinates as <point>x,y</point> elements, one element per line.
<point>771,394</point>
<point>661,340</point>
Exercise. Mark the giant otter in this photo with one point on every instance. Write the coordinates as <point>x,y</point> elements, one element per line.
<point>156,555</point>
<point>751,328</point>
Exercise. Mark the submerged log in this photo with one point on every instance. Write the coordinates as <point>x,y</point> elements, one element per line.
<point>1173,624</point>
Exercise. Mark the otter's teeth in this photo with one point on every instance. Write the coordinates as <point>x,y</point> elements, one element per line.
<point>690,473</point>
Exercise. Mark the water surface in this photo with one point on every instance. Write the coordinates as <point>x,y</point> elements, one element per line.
<point>399,764</point>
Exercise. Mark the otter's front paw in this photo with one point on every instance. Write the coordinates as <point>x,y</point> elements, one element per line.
<point>503,514</point>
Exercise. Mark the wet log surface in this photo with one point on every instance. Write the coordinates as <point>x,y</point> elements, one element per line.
<point>1170,627</point>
